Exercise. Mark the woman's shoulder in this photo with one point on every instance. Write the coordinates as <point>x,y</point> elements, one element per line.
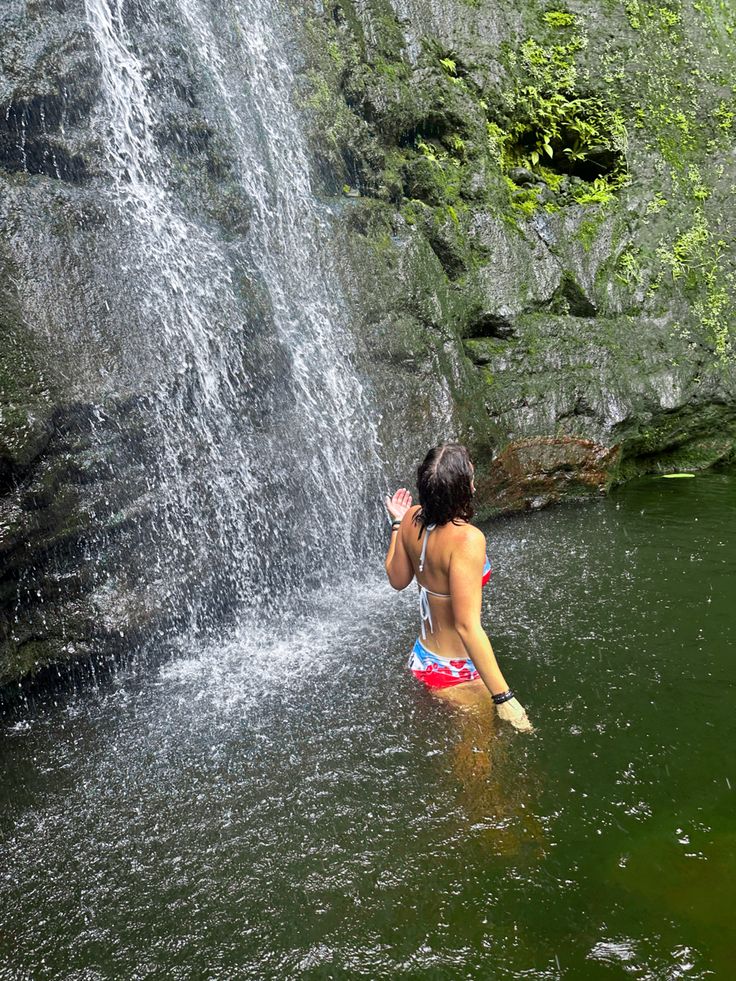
<point>469,538</point>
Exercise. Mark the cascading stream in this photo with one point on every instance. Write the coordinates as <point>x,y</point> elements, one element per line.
<point>266,437</point>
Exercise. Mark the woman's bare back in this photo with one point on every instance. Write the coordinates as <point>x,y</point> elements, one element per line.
<point>442,542</point>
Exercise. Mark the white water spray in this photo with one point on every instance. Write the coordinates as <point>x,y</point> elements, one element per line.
<point>267,439</point>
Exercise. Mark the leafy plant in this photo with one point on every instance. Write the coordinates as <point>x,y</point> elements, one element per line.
<point>597,192</point>
<point>697,257</point>
<point>427,150</point>
<point>568,130</point>
<point>724,117</point>
<point>686,257</point>
<point>457,144</point>
<point>698,190</point>
<point>496,139</point>
<point>559,18</point>
<point>658,202</point>
<point>628,269</point>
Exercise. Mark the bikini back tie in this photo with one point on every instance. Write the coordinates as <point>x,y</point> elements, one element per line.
<point>425,613</point>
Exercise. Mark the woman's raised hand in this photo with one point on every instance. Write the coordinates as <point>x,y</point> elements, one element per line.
<point>399,503</point>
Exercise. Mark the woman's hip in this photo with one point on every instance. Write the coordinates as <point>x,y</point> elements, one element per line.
<point>440,672</point>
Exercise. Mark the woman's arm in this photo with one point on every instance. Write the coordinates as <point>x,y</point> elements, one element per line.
<point>466,574</point>
<point>398,564</point>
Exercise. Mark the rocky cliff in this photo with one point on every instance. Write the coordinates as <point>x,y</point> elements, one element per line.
<point>536,214</point>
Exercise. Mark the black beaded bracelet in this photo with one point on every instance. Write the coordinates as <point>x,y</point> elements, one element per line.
<point>502,697</point>
<point>395,523</point>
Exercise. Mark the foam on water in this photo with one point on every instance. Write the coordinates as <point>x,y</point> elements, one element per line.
<point>253,662</point>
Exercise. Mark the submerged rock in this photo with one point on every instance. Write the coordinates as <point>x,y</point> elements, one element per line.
<point>533,473</point>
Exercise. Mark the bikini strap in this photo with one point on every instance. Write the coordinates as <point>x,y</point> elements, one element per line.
<point>424,547</point>
<point>425,613</point>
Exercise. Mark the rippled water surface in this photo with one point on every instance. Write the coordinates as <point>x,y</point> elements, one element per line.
<point>297,806</point>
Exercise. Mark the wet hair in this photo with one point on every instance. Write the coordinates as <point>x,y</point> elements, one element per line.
<point>443,482</point>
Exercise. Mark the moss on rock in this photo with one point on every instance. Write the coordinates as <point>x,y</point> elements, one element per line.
<point>575,202</point>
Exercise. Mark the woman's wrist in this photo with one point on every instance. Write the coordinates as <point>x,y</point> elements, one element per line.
<point>503,696</point>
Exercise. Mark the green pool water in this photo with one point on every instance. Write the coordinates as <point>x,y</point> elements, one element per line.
<point>297,806</point>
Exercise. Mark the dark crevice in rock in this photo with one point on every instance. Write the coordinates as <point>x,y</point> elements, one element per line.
<point>450,257</point>
<point>436,126</point>
<point>8,478</point>
<point>581,135</point>
<point>569,298</point>
<point>483,351</point>
<point>600,162</point>
<point>490,325</point>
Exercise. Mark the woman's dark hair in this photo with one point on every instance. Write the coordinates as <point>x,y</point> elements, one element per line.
<point>443,483</point>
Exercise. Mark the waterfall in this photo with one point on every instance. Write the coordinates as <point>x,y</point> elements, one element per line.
<point>264,434</point>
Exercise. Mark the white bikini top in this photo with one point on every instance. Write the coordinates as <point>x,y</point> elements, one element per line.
<point>425,614</point>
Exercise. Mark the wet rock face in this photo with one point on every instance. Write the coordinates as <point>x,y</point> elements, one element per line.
<point>71,574</point>
<point>75,503</point>
<point>68,502</point>
<point>79,452</point>
<point>47,90</point>
<point>572,208</point>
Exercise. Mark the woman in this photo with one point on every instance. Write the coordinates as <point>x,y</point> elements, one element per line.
<point>435,542</point>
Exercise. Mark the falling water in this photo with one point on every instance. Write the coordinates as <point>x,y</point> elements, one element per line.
<point>264,433</point>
